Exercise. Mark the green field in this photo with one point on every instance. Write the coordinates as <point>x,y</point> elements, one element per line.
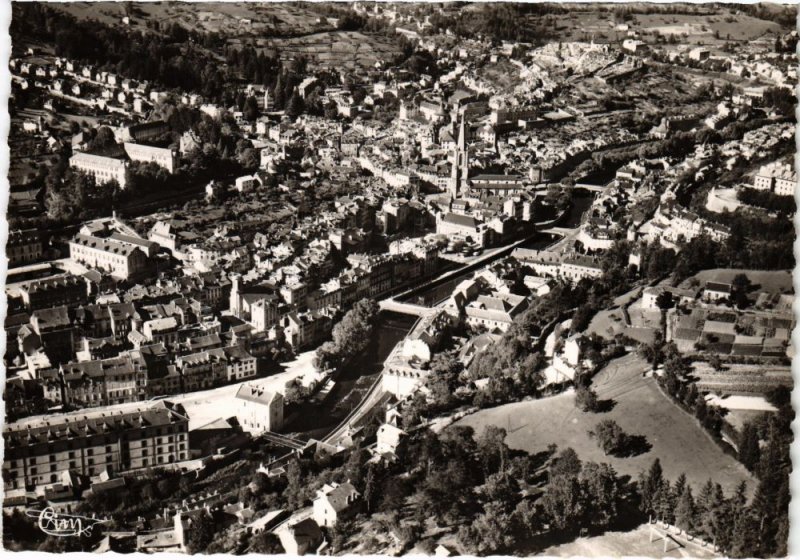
<point>640,409</point>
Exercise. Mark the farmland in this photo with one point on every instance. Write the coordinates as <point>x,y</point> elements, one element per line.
<point>337,49</point>
<point>639,407</point>
<point>692,28</point>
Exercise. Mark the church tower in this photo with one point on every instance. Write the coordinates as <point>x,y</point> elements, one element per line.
<point>463,156</point>
<point>460,171</point>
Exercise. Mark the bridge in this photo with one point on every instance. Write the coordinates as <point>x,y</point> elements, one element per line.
<point>562,231</point>
<point>284,440</point>
<point>590,187</point>
<point>390,304</point>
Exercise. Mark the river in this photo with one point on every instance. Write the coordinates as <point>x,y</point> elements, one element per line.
<point>581,201</point>
<point>317,419</point>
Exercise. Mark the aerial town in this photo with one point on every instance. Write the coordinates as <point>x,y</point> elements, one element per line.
<point>415,278</point>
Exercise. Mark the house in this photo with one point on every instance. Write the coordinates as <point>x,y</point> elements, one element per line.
<point>699,54</point>
<point>714,292</point>
<point>651,294</point>
<point>335,502</point>
<point>495,312</point>
<point>575,350</point>
<point>389,437</point>
<point>259,410</point>
<point>23,247</point>
<point>246,183</point>
<point>300,538</point>
<point>240,363</point>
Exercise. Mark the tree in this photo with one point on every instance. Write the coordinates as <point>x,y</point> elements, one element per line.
<point>295,106</point>
<point>566,464</point>
<point>602,493</point>
<point>563,504</point>
<point>250,108</point>
<point>685,509</point>
<point>331,110</point>
<point>266,542</point>
<point>665,301</point>
<point>494,531</point>
<point>749,450</point>
<point>740,286</point>
<point>492,449</point>
<point>586,399</point>
<point>103,140</point>
<point>201,532</point>
<point>649,483</point>
<point>610,437</point>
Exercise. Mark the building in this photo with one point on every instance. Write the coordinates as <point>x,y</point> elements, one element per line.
<point>300,538</point>
<point>651,294</point>
<point>265,313</point>
<point>577,267</point>
<point>23,247</point>
<point>202,370</point>
<point>142,132</point>
<point>716,291</point>
<point>103,382</point>
<point>165,234</point>
<point>259,410</point>
<point>163,157</point>
<point>307,329</point>
<point>494,312</point>
<point>335,502</point>
<point>55,332</point>
<point>102,168</point>
<point>64,289</point>
<point>389,437</point>
<point>246,183</point>
<point>38,451</point>
<point>121,260</point>
<point>240,363</point>
<point>498,185</point>
<point>699,54</point>
<point>776,177</point>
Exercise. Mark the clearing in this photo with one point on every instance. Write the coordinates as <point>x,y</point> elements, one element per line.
<point>640,408</point>
<point>629,543</point>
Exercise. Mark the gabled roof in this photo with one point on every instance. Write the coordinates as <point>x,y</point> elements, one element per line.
<point>255,394</point>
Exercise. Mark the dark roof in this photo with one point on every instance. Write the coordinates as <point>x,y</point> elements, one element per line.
<point>718,287</point>
<point>461,220</point>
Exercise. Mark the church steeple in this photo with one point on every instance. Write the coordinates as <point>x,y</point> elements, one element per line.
<point>463,156</point>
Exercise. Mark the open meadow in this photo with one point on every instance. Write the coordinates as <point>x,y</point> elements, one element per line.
<point>639,407</point>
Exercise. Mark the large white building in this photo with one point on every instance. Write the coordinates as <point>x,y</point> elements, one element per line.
<point>776,177</point>
<point>102,168</point>
<point>163,157</point>
<point>121,260</point>
<point>259,410</point>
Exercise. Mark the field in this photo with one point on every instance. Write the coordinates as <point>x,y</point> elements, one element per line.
<point>337,49</point>
<point>210,16</point>
<point>630,543</point>
<point>640,409</point>
<point>766,280</point>
<point>292,29</point>
<point>694,29</point>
